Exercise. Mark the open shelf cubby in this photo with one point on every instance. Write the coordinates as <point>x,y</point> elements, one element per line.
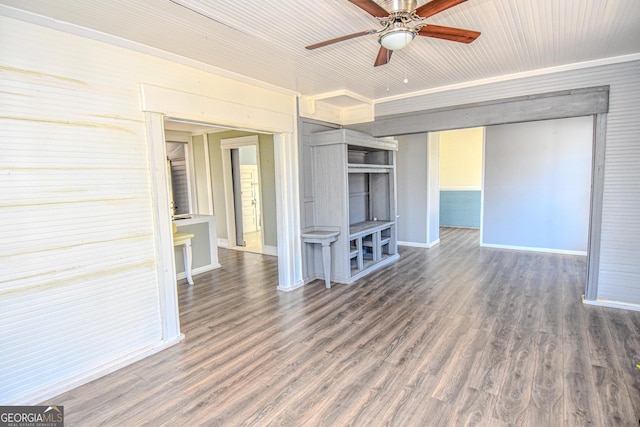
<point>354,187</point>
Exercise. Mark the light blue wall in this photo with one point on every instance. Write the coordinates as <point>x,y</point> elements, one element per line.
<point>460,208</point>
<point>537,184</point>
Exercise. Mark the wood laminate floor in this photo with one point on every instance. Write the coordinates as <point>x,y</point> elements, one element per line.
<point>447,336</point>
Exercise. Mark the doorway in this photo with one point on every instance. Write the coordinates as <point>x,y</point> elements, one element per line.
<point>247,200</point>
<point>526,185</point>
<point>243,188</point>
<point>460,167</point>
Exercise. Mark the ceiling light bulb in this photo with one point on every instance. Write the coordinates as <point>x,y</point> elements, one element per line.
<point>397,38</point>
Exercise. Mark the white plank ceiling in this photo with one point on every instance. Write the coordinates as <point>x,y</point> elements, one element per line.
<point>266,39</point>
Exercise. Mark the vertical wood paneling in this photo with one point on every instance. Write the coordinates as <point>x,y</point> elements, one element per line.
<point>619,276</point>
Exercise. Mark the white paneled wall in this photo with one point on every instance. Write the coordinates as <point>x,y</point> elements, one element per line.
<point>619,277</point>
<point>78,286</point>
<point>79,292</point>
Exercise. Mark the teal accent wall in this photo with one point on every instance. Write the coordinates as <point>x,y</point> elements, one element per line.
<point>460,208</point>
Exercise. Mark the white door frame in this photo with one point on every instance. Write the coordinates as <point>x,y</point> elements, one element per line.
<point>158,103</point>
<point>226,145</point>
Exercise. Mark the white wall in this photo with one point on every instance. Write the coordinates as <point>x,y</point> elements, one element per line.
<point>537,185</point>
<point>79,285</point>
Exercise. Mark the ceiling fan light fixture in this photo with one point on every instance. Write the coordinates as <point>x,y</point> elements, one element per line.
<point>396,38</point>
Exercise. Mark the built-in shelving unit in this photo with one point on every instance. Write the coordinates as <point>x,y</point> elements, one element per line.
<point>355,191</point>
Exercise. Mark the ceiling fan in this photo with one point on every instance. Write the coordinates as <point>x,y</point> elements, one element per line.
<point>401,25</point>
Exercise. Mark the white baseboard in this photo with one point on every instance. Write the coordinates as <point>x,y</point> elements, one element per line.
<point>525,248</point>
<point>203,269</point>
<point>52,391</point>
<point>419,245</point>
<point>612,304</point>
<point>223,243</point>
<point>295,286</point>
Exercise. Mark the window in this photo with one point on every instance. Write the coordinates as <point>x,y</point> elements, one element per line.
<point>179,191</point>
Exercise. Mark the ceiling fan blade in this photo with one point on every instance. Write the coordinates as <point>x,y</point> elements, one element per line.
<point>372,7</point>
<point>436,6</point>
<point>384,55</point>
<point>449,33</point>
<point>339,39</point>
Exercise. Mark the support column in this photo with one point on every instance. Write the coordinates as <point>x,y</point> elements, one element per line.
<point>287,207</point>
<point>433,189</point>
<point>597,194</point>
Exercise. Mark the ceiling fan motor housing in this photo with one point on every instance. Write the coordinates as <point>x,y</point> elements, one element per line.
<point>398,6</point>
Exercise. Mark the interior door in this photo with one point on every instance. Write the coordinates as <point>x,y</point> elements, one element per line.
<point>250,199</point>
